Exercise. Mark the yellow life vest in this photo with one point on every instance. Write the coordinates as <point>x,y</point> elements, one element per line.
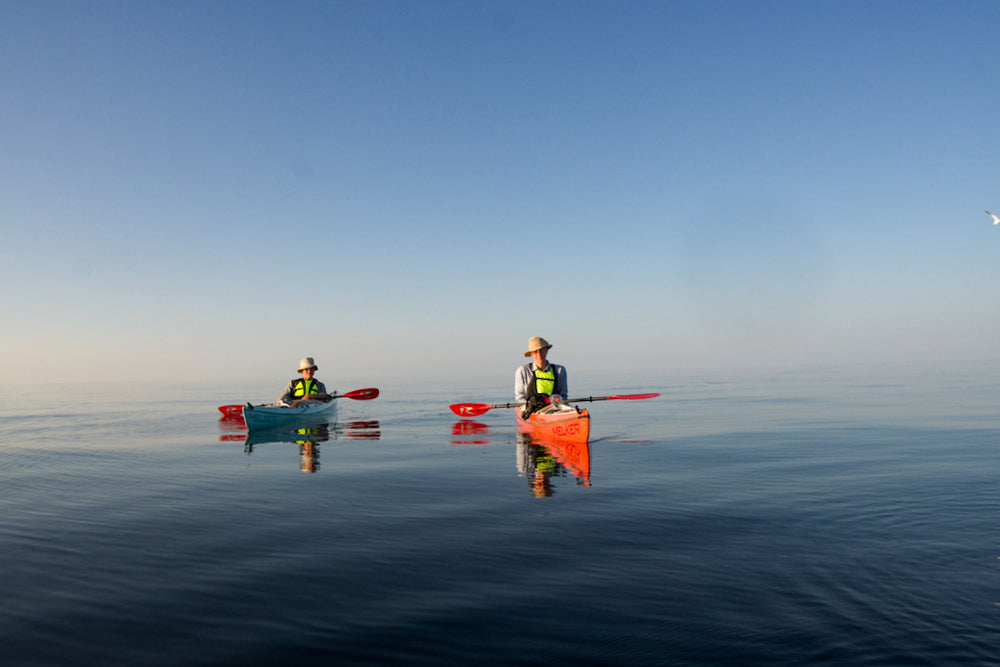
<point>303,387</point>
<point>545,381</point>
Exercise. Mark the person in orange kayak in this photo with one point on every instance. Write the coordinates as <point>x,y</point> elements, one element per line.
<point>306,386</point>
<point>537,382</point>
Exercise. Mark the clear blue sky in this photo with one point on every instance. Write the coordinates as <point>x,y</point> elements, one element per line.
<point>201,190</point>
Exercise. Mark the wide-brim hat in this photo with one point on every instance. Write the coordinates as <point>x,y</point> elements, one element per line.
<point>536,343</point>
<point>308,362</point>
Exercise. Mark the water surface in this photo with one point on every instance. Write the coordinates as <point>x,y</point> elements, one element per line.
<point>820,516</point>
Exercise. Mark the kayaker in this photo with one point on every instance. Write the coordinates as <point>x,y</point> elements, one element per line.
<point>537,382</point>
<point>305,387</point>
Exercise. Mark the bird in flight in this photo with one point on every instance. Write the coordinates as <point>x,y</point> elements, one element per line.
<point>996,219</point>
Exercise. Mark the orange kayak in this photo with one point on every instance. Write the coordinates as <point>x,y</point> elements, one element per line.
<point>562,422</point>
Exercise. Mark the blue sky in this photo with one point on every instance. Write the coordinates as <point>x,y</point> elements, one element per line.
<point>207,190</point>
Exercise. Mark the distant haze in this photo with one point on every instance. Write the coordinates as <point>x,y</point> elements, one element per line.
<point>410,190</point>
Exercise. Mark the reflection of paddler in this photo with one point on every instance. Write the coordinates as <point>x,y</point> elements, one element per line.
<point>541,487</point>
<point>553,458</point>
<point>537,465</point>
<point>307,439</point>
<point>309,446</point>
<point>545,465</point>
<point>318,433</point>
<point>309,452</point>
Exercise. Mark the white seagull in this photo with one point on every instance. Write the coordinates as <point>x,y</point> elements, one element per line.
<point>996,219</point>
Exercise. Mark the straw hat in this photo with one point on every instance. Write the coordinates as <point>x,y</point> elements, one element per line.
<point>307,362</point>
<point>536,343</point>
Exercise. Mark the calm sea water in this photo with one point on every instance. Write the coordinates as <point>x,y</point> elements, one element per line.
<point>830,516</point>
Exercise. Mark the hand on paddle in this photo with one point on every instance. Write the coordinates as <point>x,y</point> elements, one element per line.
<point>325,398</point>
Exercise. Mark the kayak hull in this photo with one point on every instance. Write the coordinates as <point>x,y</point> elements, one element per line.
<point>270,416</point>
<point>563,423</point>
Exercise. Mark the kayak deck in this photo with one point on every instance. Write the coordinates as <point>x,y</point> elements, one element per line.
<point>269,416</point>
<point>556,422</point>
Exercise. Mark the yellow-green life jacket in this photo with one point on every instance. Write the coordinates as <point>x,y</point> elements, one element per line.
<point>545,381</point>
<point>545,463</point>
<point>303,387</point>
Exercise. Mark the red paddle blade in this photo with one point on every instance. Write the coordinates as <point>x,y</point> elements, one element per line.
<point>632,397</point>
<point>469,409</point>
<point>231,411</point>
<point>362,394</point>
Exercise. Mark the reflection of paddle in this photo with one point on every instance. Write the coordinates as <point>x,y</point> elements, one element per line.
<point>476,409</point>
<point>469,427</point>
<point>236,411</point>
<point>362,430</point>
<point>469,432</point>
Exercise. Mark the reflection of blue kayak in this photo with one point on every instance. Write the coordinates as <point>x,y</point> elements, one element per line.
<point>298,433</point>
<point>315,430</point>
<point>269,416</point>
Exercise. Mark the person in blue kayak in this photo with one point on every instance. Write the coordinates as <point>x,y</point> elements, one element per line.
<point>305,387</point>
<point>536,383</point>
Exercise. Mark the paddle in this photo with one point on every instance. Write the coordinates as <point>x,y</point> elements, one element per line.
<point>476,409</point>
<point>360,394</point>
<point>366,394</point>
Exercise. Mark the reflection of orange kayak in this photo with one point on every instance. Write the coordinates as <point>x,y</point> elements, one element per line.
<point>573,455</point>
<point>558,423</point>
